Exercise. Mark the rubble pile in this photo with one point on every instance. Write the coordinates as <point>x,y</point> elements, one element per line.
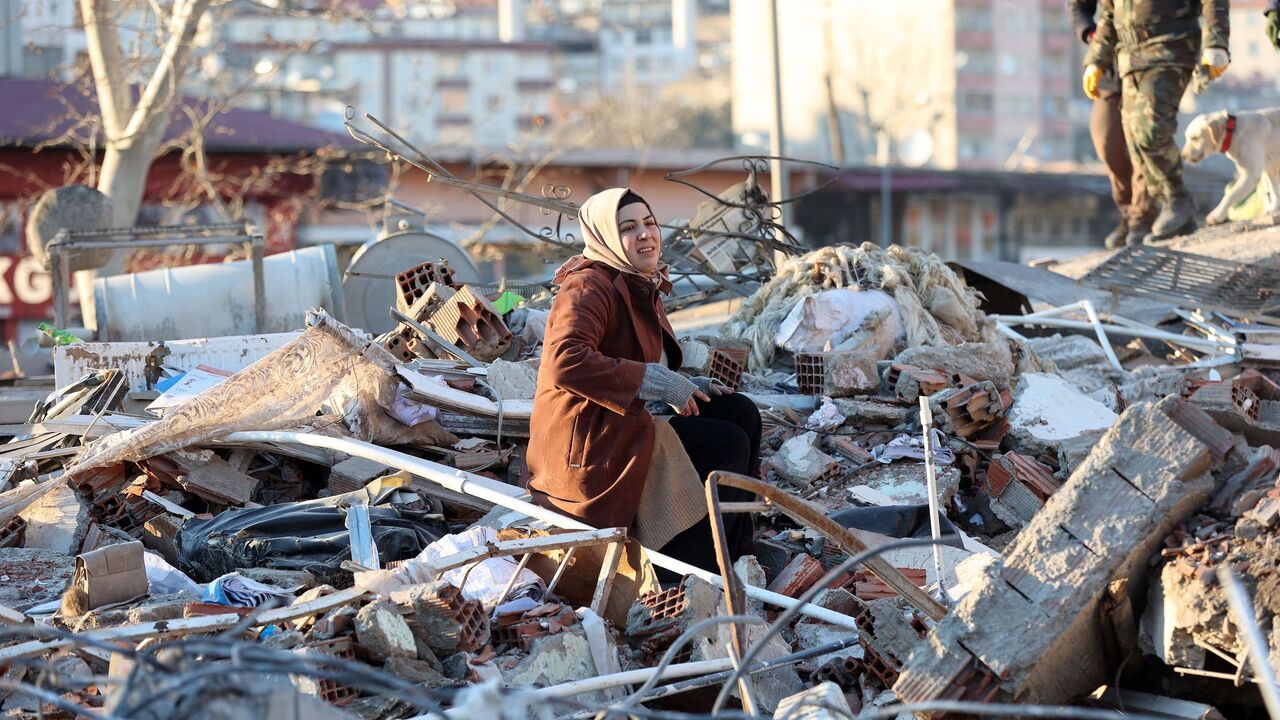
<point>949,512</point>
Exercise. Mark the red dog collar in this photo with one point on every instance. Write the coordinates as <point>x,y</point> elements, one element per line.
<point>1231,129</point>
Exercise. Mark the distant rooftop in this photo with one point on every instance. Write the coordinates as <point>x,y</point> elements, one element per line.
<point>42,111</point>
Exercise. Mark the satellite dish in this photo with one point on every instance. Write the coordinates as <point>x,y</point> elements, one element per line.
<point>917,149</point>
<point>369,284</point>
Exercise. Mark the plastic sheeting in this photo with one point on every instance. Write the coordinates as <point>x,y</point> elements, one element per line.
<point>329,364</point>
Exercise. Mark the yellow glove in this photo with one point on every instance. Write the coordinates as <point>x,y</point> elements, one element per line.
<point>1217,60</point>
<point>1092,74</point>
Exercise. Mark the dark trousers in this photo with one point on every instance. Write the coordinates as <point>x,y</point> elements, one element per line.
<point>1128,187</point>
<point>725,435</point>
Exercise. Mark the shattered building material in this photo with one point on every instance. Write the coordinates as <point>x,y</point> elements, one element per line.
<point>354,473</point>
<point>1048,411</point>
<point>979,361</point>
<point>448,623</point>
<point>836,374</point>
<point>14,532</point>
<point>1147,474</point>
<point>470,322</point>
<point>935,305</point>
<point>1018,487</point>
<point>824,701</point>
<point>57,521</point>
<point>964,412</point>
<point>800,461</point>
<point>513,380</point>
<point>799,575</point>
<point>909,382</point>
<point>35,576</point>
<point>413,283</point>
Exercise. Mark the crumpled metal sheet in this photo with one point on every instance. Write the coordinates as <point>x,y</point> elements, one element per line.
<point>328,363</point>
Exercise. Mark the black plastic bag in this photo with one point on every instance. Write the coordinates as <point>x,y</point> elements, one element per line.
<point>897,521</point>
<point>296,536</point>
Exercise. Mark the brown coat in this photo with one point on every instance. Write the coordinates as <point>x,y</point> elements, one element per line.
<point>591,438</point>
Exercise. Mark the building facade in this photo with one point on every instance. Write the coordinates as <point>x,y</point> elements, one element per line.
<point>971,84</point>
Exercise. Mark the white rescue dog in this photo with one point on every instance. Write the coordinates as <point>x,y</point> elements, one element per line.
<point>1252,141</point>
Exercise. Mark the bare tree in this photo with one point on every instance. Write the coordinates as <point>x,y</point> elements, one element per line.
<point>133,129</point>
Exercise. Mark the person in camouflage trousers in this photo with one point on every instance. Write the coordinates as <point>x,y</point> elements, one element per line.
<point>1154,47</point>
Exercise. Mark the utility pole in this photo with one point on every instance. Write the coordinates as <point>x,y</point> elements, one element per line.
<point>779,187</point>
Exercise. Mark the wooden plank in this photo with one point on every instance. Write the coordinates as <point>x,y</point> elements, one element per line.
<point>213,479</point>
<point>540,544</point>
<point>608,570</point>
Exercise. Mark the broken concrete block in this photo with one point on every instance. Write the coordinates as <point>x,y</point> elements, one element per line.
<point>1017,487</point>
<point>907,483</point>
<point>513,380</point>
<point>1030,625</point>
<point>382,633</point>
<point>696,356</point>
<point>705,601</point>
<point>837,374</point>
<point>354,473</point>
<point>444,620</point>
<point>339,621</point>
<point>556,659</point>
<point>749,572</point>
<point>873,412</point>
<point>799,575</point>
<point>208,476</point>
<point>416,671</point>
<point>469,321</point>
<point>821,702</point>
<point>980,361</point>
<point>1175,607</point>
<point>1068,352</point>
<point>32,576</point>
<point>57,521</point>
<point>800,461</point>
<point>1048,411</point>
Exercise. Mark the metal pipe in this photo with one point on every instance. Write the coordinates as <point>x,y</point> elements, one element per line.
<point>1094,320</point>
<point>779,183</point>
<point>1149,333</point>
<point>497,493</point>
<point>1254,642</point>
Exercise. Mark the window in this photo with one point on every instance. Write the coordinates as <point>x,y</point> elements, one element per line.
<point>973,18</point>
<point>449,64</point>
<point>453,101</point>
<point>978,102</point>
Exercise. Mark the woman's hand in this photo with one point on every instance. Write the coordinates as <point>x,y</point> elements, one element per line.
<point>691,408</point>
<point>710,386</point>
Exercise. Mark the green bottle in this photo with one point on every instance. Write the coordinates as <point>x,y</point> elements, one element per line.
<point>60,337</point>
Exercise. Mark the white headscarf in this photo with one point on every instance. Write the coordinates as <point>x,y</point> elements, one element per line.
<point>598,217</point>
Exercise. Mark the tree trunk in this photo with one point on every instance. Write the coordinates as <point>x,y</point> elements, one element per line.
<point>133,131</point>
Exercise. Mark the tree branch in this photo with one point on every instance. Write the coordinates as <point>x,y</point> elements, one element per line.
<point>106,56</point>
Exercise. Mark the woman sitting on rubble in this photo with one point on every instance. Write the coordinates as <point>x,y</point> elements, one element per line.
<point>596,452</point>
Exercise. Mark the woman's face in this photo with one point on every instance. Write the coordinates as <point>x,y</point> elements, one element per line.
<point>641,238</point>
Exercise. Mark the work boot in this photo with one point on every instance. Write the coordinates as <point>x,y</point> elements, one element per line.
<point>1177,217</point>
<point>1116,238</point>
<point>1138,232</point>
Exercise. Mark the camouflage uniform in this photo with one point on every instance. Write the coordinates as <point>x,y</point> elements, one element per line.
<point>1153,46</point>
